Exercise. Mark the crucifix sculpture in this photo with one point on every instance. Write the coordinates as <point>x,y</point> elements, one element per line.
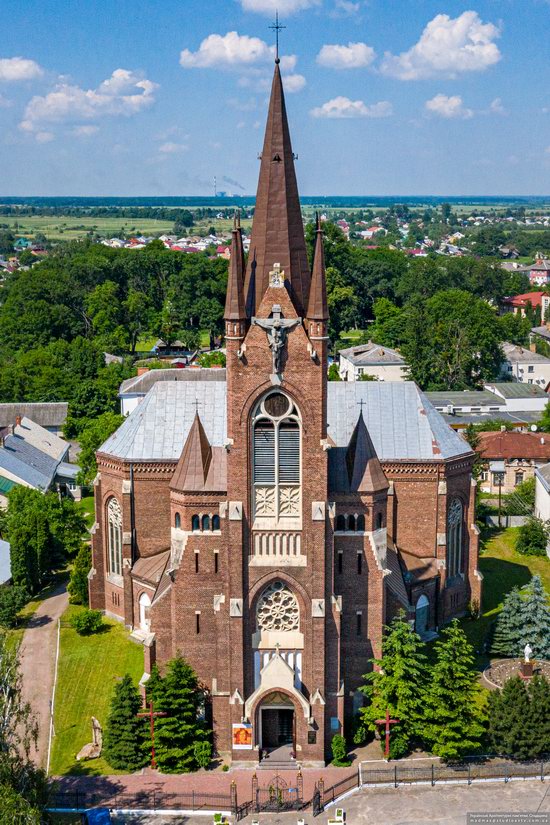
<point>387,722</point>
<point>152,714</point>
<point>277,329</point>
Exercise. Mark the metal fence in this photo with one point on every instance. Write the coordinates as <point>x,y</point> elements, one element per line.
<point>467,772</point>
<point>148,800</point>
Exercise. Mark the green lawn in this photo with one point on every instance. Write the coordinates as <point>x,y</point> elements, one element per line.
<point>89,667</point>
<point>87,508</point>
<point>16,633</point>
<point>502,570</point>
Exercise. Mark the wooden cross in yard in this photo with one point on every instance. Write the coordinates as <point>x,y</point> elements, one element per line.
<point>152,714</point>
<point>387,722</point>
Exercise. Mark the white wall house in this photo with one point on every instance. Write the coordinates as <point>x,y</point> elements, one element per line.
<point>524,366</point>
<point>382,363</point>
<point>542,492</point>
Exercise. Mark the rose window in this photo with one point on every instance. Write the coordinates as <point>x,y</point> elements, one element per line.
<point>278,609</point>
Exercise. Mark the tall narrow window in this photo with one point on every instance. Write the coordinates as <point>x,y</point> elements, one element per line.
<point>215,522</point>
<point>206,523</point>
<point>340,561</point>
<point>359,563</point>
<point>359,623</point>
<point>276,458</point>
<point>177,521</point>
<point>361,523</point>
<point>351,524</point>
<point>340,524</point>
<point>216,562</point>
<point>197,622</point>
<point>195,523</point>
<point>114,523</point>
<point>379,521</point>
<point>196,562</point>
<point>455,519</point>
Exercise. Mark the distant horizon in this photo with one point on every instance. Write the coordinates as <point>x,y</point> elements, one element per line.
<point>249,200</point>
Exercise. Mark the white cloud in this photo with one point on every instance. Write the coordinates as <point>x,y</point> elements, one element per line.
<point>496,107</point>
<point>345,7</point>
<point>294,83</point>
<point>231,49</point>
<point>170,148</point>
<point>44,137</point>
<point>352,56</point>
<point>284,7</point>
<point>447,47</point>
<point>124,93</point>
<point>19,68</point>
<point>85,131</point>
<point>448,107</point>
<point>5,103</point>
<point>343,107</point>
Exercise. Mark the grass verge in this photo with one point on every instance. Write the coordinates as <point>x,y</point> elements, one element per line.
<point>89,667</point>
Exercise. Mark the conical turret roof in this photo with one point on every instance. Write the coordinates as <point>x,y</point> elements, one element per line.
<point>364,469</point>
<point>277,231</point>
<point>234,299</point>
<point>192,468</point>
<point>317,309</point>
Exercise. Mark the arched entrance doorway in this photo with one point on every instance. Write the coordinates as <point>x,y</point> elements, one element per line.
<point>144,605</point>
<point>422,615</point>
<point>277,728</point>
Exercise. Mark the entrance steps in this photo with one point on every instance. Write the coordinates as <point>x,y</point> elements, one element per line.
<point>272,765</point>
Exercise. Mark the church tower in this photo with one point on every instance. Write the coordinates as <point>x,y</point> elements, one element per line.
<point>276,338</point>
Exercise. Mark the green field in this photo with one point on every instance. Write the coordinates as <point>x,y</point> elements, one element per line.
<point>68,228</point>
<point>89,668</point>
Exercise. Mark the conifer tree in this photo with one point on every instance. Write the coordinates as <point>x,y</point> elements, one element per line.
<point>179,695</point>
<point>453,726</point>
<point>509,713</point>
<point>125,743</point>
<point>539,695</point>
<point>78,582</point>
<point>509,626</point>
<point>399,685</point>
<point>536,619</point>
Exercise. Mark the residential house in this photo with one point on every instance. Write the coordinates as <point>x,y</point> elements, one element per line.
<point>461,408</point>
<point>518,304</point>
<point>383,363</point>
<point>519,397</point>
<point>542,494</point>
<point>49,415</point>
<point>525,366</point>
<point>22,463</point>
<point>539,272</point>
<point>511,457</point>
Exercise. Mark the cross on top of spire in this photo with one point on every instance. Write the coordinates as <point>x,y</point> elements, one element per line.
<point>276,27</point>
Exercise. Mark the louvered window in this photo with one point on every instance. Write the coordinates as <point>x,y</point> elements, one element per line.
<point>264,453</point>
<point>276,458</point>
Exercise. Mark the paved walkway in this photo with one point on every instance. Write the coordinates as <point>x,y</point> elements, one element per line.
<point>37,664</point>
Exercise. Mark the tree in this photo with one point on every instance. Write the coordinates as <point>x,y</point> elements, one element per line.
<point>339,751</point>
<point>78,582</point>
<point>333,372</point>
<point>453,726</point>
<point>398,685</point>
<point>16,810</point>
<point>92,436</point>
<point>388,323</point>
<point>509,626</point>
<point>536,619</point>
<point>89,401</point>
<point>31,541</point>
<point>137,311</point>
<point>539,697</point>
<point>67,525</point>
<point>544,421</point>
<point>532,537</point>
<point>124,743</point>
<point>180,696</point>
<point>509,712</point>
<point>515,328</point>
<point>12,598</point>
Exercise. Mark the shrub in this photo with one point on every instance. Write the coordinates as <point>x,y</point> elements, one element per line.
<point>12,598</point>
<point>88,622</point>
<point>203,753</point>
<point>78,583</point>
<point>339,752</point>
<point>532,538</point>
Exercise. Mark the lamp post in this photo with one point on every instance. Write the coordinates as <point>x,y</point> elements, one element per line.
<point>498,479</point>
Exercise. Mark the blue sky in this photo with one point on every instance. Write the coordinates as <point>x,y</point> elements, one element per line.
<point>384,98</point>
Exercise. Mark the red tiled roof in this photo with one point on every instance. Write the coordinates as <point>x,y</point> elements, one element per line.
<point>507,445</point>
<point>533,298</point>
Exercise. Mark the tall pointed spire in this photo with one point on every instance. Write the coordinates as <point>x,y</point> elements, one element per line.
<point>277,231</point>
<point>364,469</point>
<point>192,468</point>
<point>317,309</point>
<point>234,299</point>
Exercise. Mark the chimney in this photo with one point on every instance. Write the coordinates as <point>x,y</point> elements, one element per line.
<point>502,428</point>
<point>142,370</point>
<point>17,420</point>
<point>532,346</point>
<point>542,439</point>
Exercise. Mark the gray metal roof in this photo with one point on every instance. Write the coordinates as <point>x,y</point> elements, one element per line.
<point>516,389</point>
<point>52,414</point>
<point>543,474</point>
<point>520,355</point>
<point>372,354</point>
<point>42,439</point>
<point>520,417</point>
<point>141,384</point>
<point>402,423</point>
<point>465,398</point>
<point>27,463</point>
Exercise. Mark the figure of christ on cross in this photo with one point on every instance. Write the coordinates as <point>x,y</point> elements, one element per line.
<point>387,722</point>
<point>152,714</point>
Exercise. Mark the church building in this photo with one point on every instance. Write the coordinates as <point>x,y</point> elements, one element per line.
<point>266,523</point>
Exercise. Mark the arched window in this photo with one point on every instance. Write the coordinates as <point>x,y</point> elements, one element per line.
<point>276,458</point>
<point>177,521</point>
<point>340,523</point>
<point>379,520</point>
<point>114,522</point>
<point>144,605</point>
<point>195,523</point>
<point>206,523</point>
<point>454,538</point>
<point>422,615</point>
<point>215,522</point>
<point>361,523</point>
<point>351,524</point>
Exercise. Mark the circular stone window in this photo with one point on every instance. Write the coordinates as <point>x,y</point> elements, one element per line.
<point>277,405</point>
<point>278,609</point>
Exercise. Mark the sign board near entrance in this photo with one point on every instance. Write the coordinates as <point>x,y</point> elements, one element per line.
<point>242,737</point>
